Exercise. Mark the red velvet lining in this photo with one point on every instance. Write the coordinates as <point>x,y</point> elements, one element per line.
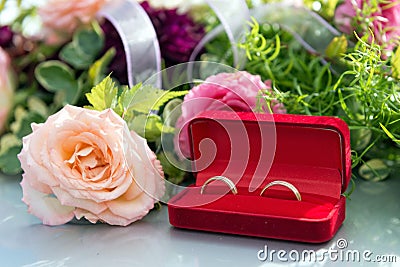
<point>275,203</point>
<point>312,153</point>
<point>311,180</point>
<point>253,153</point>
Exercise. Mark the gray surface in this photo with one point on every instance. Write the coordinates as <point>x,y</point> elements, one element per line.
<point>372,223</point>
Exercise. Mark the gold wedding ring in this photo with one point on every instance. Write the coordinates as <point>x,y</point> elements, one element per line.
<point>286,184</point>
<point>220,178</point>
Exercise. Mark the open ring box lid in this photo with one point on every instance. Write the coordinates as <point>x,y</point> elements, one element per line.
<point>252,150</point>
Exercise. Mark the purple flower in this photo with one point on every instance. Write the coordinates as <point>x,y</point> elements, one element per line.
<point>118,64</point>
<point>6,36</point>
<point>177,34</point>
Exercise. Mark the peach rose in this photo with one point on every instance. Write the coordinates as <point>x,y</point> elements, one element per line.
<point>62,17</point>
<point>86,163</point>
<point>6,87</point>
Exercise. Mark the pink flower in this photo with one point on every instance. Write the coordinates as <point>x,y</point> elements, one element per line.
<point>225,91</point>
<point>385,22</point>
<point>62,17</point>
<point>86,163</point>
<point>6,87</point>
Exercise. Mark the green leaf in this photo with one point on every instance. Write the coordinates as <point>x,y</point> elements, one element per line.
<point>360,138</point>
<point>396,64</point>
<point>104,95</point>
<point>96,71</point>
<point>37,105</point>
<point>55,76</point>
<point>124,101</point>
<point>149,98</point>
<point>337,47</point>
<point>172,111</point>
<point>388,133</point>
<point>173,173</point>
<point>9,162</point>
<point>277,49</point>
<point>2,4</point>
<point>67,96</point>
<point>374,170</point>
<point>84,48</point>
<point>8,141</point>
<point>23,120</point>
<point>89,42</point>
<point>10,146</point>
<point>344,105</point>
<point>73,56</point>
<point>147,126</point>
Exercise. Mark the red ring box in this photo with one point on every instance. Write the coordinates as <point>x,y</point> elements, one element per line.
<point>252,150</point>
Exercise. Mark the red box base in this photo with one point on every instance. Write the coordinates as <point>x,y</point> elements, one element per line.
<point>311,153</point>
<point>207,218</point>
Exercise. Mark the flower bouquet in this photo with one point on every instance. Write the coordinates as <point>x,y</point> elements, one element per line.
<point>97,96</point>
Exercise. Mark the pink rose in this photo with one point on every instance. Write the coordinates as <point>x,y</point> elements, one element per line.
<point>62,17</point>
<point>6,87</point>
<point>86,163</point>
<point>385,22</point>
<point>225,91</point>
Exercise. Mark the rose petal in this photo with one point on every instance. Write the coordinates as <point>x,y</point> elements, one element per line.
<point>93,165</point>
<point>108,217</point>
<point>66,199</point>
<point>130,209</point>
<point>45,207</point>
<point>80,213</point>
<point>224,91</point>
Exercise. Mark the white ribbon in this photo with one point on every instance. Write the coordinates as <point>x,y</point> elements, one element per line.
<point>233,15</point>
<point>143,55</point>
<point>311,30</point>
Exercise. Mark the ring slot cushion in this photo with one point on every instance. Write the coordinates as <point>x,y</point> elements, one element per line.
<point>310,152</point>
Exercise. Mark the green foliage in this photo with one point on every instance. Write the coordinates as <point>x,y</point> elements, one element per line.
<point>10,146</point>
<point>150,126</point>
<point>136,105</point>
<point>172,112</point>
<point>366,94</point>
<point>260,47</point>
<point>301,79</point>
<point>124,107</point>
<point>84,48</point>
<point>139,106</point>
<point>148,98</point>
<point>69,84</point>
<point>396,64</point>
<point>23,120</point>
<point>337,48</point>
<point>9,162</point>
<point>104,95</point>
<point>169,163</point>
<point>141,99</point>
<point>11,143</point>
<point>324,7</point>
<point>97,70</point>
<point>55,76</point>
<point>374,170</point>
<point>46,85</point>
